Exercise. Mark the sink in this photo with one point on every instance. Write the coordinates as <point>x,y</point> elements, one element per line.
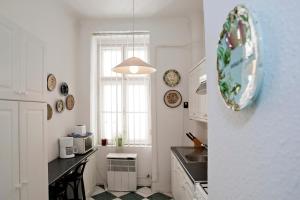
<point>193,155</point>
<point>196,158</point>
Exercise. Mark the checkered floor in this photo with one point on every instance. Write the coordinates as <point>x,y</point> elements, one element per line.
<point>143,193</point>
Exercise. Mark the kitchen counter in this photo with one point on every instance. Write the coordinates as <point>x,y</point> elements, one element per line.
<point>197,171</point>
<point>58,167</point>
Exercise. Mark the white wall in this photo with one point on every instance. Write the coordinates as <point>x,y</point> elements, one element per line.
<point>51,23</point>
<point>198,39</point>
<point>255,153</point>
<point>171,40</point>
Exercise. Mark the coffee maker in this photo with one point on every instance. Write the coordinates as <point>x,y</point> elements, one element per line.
<point>66,149</point>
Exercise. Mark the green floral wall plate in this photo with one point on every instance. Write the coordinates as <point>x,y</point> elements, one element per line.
<point>238,60</point>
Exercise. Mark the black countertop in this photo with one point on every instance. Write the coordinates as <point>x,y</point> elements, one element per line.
<point>58,167</point>
<point>197,171</point>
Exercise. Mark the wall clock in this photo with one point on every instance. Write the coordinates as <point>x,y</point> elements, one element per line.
<point>70,101</point>
<point>49,112</point>
<point>51,82</point>
<point>172,98</point>
<point>60,106</point>
<point>172,77</point>
<point>64,89</point>
<point>238,59</point>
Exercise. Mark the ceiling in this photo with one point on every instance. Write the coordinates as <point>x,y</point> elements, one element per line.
<point>143,8</point>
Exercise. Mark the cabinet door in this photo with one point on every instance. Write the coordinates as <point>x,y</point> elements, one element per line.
<point>9,57</point>
<point>33,155</point>
<point>172,174</point>
<point>9,152</point>
<point>192,94</point>
<point>32,68</point>
<point>198,98</point>
<point>179,192</point>
<point>205,106</point>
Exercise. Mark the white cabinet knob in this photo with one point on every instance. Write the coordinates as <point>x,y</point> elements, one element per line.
<point>18,186</point>
<point>25,182</point>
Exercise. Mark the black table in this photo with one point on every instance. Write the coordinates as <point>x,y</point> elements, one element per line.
<point>59,167</point>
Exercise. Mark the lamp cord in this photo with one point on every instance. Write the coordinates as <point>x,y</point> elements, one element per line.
<point>133,21</point>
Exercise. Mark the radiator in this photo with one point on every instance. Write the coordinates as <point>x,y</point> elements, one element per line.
<point>122,172</point>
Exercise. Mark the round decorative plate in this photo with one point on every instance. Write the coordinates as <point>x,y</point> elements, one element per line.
<point>238,60</point>
<point>64,89</point>
<point>70,101</point>
<point>172,77</point>
<point>49,112</point>
<point>172,98</point>
<point>60,106</point>
<point>51,82</point>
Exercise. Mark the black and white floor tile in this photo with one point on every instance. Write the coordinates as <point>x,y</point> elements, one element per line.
<point>142,193</point>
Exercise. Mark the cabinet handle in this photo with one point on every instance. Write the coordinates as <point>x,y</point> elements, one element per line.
<point>18,186</point>
<point>24,182</point>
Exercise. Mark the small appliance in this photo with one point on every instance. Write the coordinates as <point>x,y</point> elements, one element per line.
<point>83,144</point>
<point>80,130</point>
<point>66,147</point>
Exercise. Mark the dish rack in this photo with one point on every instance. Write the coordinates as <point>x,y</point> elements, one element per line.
<point>122,172</point>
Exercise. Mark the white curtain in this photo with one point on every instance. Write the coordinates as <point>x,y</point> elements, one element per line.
<point>124,100</point>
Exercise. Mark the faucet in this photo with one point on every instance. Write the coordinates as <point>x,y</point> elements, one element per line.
<point>204,146</point>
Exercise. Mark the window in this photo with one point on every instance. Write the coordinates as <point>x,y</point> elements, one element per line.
<point>124,100</point>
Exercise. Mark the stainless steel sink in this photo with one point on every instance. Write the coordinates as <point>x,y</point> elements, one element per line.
<point>193,155</point>
<point>196,158</point>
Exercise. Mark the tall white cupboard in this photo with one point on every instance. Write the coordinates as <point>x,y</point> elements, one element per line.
<point>23,143</point>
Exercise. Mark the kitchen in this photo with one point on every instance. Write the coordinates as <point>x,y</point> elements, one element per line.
<point>81,120</point>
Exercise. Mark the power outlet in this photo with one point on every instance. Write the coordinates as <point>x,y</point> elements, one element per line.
<point>185,104</point>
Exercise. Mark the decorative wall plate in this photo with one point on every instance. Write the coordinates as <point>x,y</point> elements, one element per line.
<point>70,101</point>
<point>60,106</point>
<point>51,82</point>
<point>172,77</point>
<point>238,60</point>
<point>172,98</point>
<point>64,89</point>
<point>49,112</point>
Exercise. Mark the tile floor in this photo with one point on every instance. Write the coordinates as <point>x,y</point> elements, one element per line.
<point>143,193</point>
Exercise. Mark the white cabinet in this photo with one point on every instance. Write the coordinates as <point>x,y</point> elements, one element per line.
<point>24,173</point>
<point>182,186</point>
<point>33,154</point>
<point>198,102</point>
<point>9,152</point>
<point>9,60</point>
<point>22,64</point>
<point>200,194</point>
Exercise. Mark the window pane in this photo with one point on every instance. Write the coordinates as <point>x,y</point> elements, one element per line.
<point>137,97</point>
<point>137,128</point>
<point>111,100</point>
<point>139,52</point>
<point>111,125</point>
<point>110,57</point>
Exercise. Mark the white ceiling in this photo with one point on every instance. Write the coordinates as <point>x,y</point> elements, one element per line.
<point>143,8</point>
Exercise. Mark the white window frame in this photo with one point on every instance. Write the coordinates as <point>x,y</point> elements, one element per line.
<point>122,79</point>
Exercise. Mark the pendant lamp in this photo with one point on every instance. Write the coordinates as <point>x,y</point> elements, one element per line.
<point>134,65</point>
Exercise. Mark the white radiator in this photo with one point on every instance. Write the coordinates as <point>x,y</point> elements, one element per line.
<point>122,172</point>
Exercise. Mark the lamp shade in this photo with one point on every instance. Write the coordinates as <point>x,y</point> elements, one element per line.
<point>134,65</point>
